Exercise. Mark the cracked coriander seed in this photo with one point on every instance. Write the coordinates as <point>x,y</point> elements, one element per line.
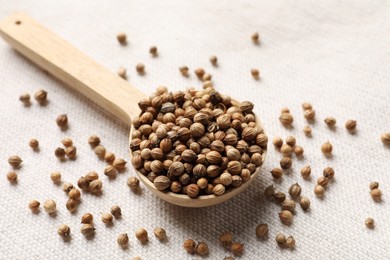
<point>277,142</point>
<point>370,223</point>
<point>122,38</point>
<point>214,60</point>
<point>15,161</point>
<point>376,195</point>
<point>350,125</point>
<point>327,148</point>
<point>63,230</point>
<point>123,240</point>
<point>153,51</point>
<point>304,202</point>
<point>286,217</point>
<point>305,172</point>
<point>290,242</point>
<point>87,230</point>
<point>295,191</point>
<point>189,246</point>
<point>328,172</point>
<point>41,96</point>
<point>330,121</point>
<point>262,230</point>
<point>277,173</point>
<point>202,248</point>
<point>33,143</point>
<point>25,99</point>
<point>12,177</point>
<point>255,74</point>
<point>280,239</point>
<point>385,138</point>
<point>60,153</point>
<point>116,211</point>
<point>93,141</point>
<point>374,185</point>
<point>237,248</point>
<point>87,218</point>
<point>142,235</point>
<point>50,206</point>
<point>62,121</point>
<point>226,239</point>
<point>319,191</point>
<point>33,205</point>
<point>160,233</point>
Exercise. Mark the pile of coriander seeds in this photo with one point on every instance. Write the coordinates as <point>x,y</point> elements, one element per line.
<point>196,142</point>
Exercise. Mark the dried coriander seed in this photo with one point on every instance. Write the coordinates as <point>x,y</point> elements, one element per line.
<point>290,242</point>
<point>123,240</point>
<point>286,217</point>
<point>87,218</point>
<point>95,186</point>
<point>199,72</point>
<point>142,235</point>
<point>298,150</point>
<point>25,99</point>
<point>350,125</point>
<point>289,205</point>
<point>67,142</point>
<point>307,130</point>
<point>319,191</point>
<point>74,194</point>
<point>162,182</point>
<point>119,164</point>
<point>63,230</point>
<point>100,151</point>
<point>262,230</point>
<point>269,192</point>
<point>277,142</point>
<point>229,258</point>
<point>116,211</point>
<point>226,239</point>
<point>71,205</point>
<point>374,185</point>
<point>12,177</point>
<point>330,121</point>
<point>15,161</point>
<point>33,143</point>
<point>327,148</point>
<point>110,171</point>
<point>237,248</point>
<point>285,110</point>
<point>122,72</point>
<point>67,187</point>
<point>50,206</point>
<point>41,96</point>
<point>189,246</point>
<point>202,248</point>
<point>323,181</point>
<point>60,153</point>
<point>370,223</point>
<point>309,114</point>
<point>277,173</point>
<point>153,51</point>
<point>255,74</point>
<point>385,138</point>
<point>286,119</point>
<point>133,183</point>
<point>328,173</point>
<point>219,189</point>
<point>305,172</point>
<point>33,205</point>
<point>255,38</point>
<point>280,239</point>
<point>291,141</point>
<point>376,195</point>
<point>286,163</point>
<point>93,141</point>
<point>71,152</point>
<point>140,68</point>
<point>207,77</point>
<point>214,60</point>
<point>184,71</point>
<point>295,191</point>
<point>62,121</point>
<point>286,150</point>
<point>122,38</point>
<point>304,202</point>
<point>107,218</point>
<point>160,233</point>
<point>307,106</point>
<point>279,196</point>
<point>87,230</point>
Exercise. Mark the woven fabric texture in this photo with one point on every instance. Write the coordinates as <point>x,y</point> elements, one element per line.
<point>334,54</point>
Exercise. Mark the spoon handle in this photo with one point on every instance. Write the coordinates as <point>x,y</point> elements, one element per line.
<point>71,66</point>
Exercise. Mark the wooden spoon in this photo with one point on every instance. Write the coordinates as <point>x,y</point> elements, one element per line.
<point>111,92</point>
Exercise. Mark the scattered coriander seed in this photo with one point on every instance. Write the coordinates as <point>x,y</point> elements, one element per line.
<point>60,153</point>
<point>207,77</point>
<point>116,211</point>
<point>189,246</point>
<point>237,248</point>
<point>91,176</point>
<point>286,150</point>
<point>307,106</point>
<point>122,72</point>
<point>309,115</point>
<point>199,72</point>
<point>109,158</point>
<point>12,177</point>
<point>142,235</point>
<point>137,258</point>
<point>122,38</point>
<point>41,96</point>
<point>286,163</point>
<point>140,68</point>
<point>262,230</point>
<point>15,161</point>
<point>229,258</point>
<point>93,141</point>
<point>255,38</point>
<point>305,172</point>
<point>374,185</point>
<point>25,99</point>
<point>279,196</point>
<point>100,151</point>
<point>295,190</point>
<point>107,218</point>
<point>286,217</point>
<point>255,74</point>
<point>289,205</point>
<point>319,191</point>
<point>323,181</point>
<point>385,138</point>
<point>63,230</point>
<point>376,195</point>
<point>67,187</point>
<point>370,223</point>
<point>133,183</point>
<point>95,186</point>
<point>87,230</point>
<point>327,148</point>
<point>123,240</point>
<point>50,206</point>
<point>285,110</point>
<point>280,239</point>
<point>83,183</point>
<point>291,141</point>
<point>160,233</point>
<point>277,142</point>
<point>67,142</point>
<point>74,194</point>
<point>71,205</point>
<point>110,171</point>
<point>226,239</point>
<point>62,121</point>
<point>202,248</point>
<point>277,173</point>
<point>307,130</point>
<point>214,60</point>
<point>153,51</point>
<point>184,71</point>
<point>269,192</point>
<point>33,143</point>
<point>87,218</point>
<point>330,121</point>
<point>298,150</point>
<point>119,164</point>
<point>304,202</point>
<point>350,125</point>
<point>33,205</point>
<point>286,119</point>
<point>290,242</point>
<point>71,152</point>
<point>328,172</point>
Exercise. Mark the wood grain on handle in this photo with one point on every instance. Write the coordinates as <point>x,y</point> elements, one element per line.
<point>71,66</point>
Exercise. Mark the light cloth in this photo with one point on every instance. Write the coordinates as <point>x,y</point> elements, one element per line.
<point>334,54</point>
